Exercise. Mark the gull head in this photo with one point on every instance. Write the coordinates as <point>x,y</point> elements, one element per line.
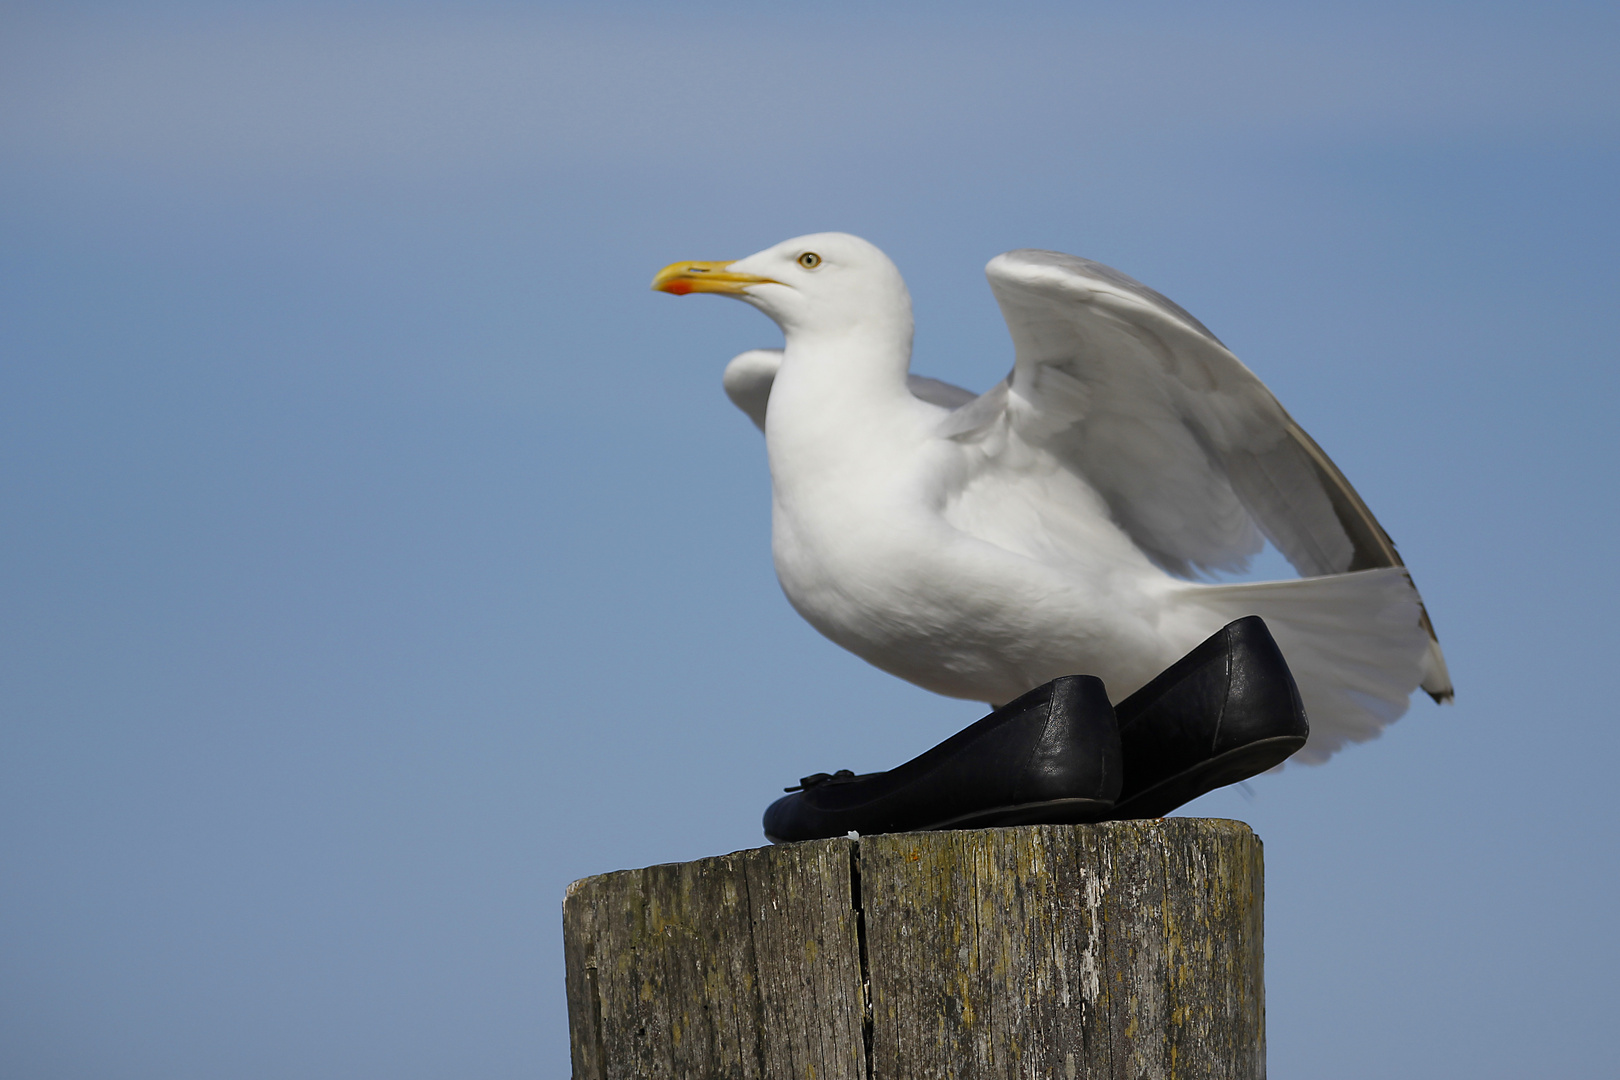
<point>823,285</point>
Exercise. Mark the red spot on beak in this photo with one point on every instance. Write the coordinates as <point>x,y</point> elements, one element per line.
<point>679,288</point>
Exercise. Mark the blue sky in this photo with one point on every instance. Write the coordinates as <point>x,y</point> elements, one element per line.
<point>379,555</point>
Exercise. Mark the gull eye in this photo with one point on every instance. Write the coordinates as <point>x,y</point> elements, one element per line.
<point>809,260</point>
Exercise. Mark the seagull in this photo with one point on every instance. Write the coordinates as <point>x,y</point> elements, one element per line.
<point>1073,518</point>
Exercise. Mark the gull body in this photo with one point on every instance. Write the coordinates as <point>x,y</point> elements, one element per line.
<point>978,546</point>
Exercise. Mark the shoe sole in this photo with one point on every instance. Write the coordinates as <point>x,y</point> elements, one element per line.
<point>1231,767</point>
<point>1048,812</point>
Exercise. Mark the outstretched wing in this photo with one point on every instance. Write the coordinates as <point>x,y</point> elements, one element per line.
<point>1196,459</point>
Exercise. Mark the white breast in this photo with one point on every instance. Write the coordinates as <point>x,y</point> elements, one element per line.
<point>886,544</point>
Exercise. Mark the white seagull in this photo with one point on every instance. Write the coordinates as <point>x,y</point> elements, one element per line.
<point>980,545</point>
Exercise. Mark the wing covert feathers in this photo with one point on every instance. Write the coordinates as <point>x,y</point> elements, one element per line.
<point>1193,454</point>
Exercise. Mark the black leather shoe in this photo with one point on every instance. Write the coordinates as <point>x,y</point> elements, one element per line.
<point>1226,711</point>
<point>1050,757</point>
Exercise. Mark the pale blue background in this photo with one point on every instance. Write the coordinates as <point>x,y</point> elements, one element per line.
<point>379,554</point>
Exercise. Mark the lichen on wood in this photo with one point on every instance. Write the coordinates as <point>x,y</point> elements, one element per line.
<point>1127,949</point>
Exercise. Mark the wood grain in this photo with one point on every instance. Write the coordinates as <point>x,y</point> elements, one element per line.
<point>744,966</point>
<point>1128,950</point>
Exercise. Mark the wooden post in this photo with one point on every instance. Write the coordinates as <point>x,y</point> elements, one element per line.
<point>1127,950</point>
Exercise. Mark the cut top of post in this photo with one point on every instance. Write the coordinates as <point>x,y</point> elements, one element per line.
<point>1125,949</point>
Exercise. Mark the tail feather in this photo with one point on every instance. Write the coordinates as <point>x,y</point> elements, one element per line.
<point>1355,642</point>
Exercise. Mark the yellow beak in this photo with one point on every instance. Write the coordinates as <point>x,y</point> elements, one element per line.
<point>690,277</point>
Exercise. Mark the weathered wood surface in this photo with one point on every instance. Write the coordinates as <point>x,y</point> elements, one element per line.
<point>746,965</point>
<point>1127,950</point>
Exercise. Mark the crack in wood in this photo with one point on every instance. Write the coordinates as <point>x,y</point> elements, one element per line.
<point>1126,951</point>
<point>860,946</point>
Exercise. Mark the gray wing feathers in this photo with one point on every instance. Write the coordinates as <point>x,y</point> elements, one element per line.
<point>747,381</point>
<point>945,395</point>
<point>750,375</point>
<point>1196,458</point>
